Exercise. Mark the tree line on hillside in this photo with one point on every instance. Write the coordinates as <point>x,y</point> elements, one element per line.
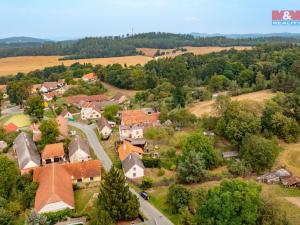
<point>126,45</point>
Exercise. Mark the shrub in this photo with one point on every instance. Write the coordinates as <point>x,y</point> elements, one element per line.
<point>146,183</point>
<point>161,172</point>
<point>54,217</point>
<point>239,168</point>
<point>150,162</point>
<point>178,197</point>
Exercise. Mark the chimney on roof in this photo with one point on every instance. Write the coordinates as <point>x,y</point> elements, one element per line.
<point>130,156</point>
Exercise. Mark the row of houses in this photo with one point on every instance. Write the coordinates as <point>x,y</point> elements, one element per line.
<point>55,171</point>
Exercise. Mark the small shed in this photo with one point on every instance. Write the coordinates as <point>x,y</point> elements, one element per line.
<point>291,181</point>
<point>230,154</point>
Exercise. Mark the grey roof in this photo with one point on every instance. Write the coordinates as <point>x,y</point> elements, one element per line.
<point>117,96</point>
<point>131,160</point>
<point>102,122</point>
<point>136,141</point>
<point>26,150</point>
<point>148,111</point>
<point>78,143</point>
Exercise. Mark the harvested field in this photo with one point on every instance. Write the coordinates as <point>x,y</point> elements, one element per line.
<point>290,158</point>
<point>196,50</point>
<point>206,107</point>
<point>13,65</point>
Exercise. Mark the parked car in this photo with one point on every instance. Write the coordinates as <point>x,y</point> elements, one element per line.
<point>144,195</point>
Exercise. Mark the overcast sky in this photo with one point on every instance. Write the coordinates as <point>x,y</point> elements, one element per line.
<point>68,19</point>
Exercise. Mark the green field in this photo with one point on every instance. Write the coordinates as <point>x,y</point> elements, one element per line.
<point>21,120</point>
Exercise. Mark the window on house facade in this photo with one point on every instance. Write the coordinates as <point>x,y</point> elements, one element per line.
<point>134,169</point>
<point>79,180</point>
<point>91,178</point>
<point>48,161</point>
<point>134,174</point>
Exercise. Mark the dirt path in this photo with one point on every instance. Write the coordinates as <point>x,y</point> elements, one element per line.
<point>206,107</point>
<point>294,200</point>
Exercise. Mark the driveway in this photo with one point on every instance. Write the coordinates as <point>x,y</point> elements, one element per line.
<point>147,209</point>
<point>12,110</point>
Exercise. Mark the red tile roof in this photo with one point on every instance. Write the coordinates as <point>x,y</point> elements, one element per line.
<point>84,169</point>
<point>92,98</point>
<point>11,127</point>
<point>89,76</point>
<point>62,125</point>
<point>137,116</point>
<point>126,148</point>
<point>53,150</point>
<point>50,85</point>
<point>55,185</point>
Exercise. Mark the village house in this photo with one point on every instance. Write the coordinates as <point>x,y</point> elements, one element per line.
<point>133,121</point>
<point>35,88</point>
<point>10,128</point>
<point>104,128</point>
<point>66,114</point>
<point>126,148</point>
<point>84,172</point>
<point>61,82</point>
<point>133,166</point>
<point>119,98</point>
<point>62,127</point>
<point>49,96</point>
<point>290,181</point>
<point>48,86</point>
<point>132,132</point>
<point>53,153</point>
<point>90,77</point>
<point>79,150</point>
<point>90,110</point>
<point>27,153</point>
<point>55,190</point>
<point>79,100</point>
<point>274,177</point>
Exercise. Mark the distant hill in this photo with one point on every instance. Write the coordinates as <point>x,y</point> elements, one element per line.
<point>97,47</point>
<point>254,35</point>
<point>11,40</point>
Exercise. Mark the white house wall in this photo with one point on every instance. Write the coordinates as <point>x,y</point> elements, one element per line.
<point>56,206</point>
<point>139,172</point>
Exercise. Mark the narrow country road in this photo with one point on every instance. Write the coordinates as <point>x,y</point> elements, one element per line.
<point>147,209</point>
<point>94,143</point>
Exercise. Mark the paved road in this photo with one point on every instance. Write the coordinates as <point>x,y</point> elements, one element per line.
<point>12,110</point>
<point>94,143</point>
<point>148,210</point>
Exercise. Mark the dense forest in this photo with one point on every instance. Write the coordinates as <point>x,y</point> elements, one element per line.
<point>126,45</point>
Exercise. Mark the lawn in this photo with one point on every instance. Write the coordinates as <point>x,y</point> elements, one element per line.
<point>84,199</point>
<point>290,158</point>
<point>280,193</point>
<point>49,114</point>
<point>21,120</point>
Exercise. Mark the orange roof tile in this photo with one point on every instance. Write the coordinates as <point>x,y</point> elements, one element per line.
<point>11,127</point>
<point>55,185</point>
<point>84,169</point>
<point>62,125</point>
<point>89,76</point>
<point>137,116</point>
<point>126,148</point>
<point>53,150</point>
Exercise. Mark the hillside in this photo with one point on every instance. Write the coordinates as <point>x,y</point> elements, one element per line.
<point>11,40</point>
<point>95,47</point>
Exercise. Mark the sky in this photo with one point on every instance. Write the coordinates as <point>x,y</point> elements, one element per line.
<point>71,19</point>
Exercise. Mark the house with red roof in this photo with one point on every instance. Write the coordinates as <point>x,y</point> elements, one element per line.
<point>11,127</point>
<point>53,153</point>
<point>90,110</point>
<point>55,191</point>
<point>90,77</point>
<point>48,86</point>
